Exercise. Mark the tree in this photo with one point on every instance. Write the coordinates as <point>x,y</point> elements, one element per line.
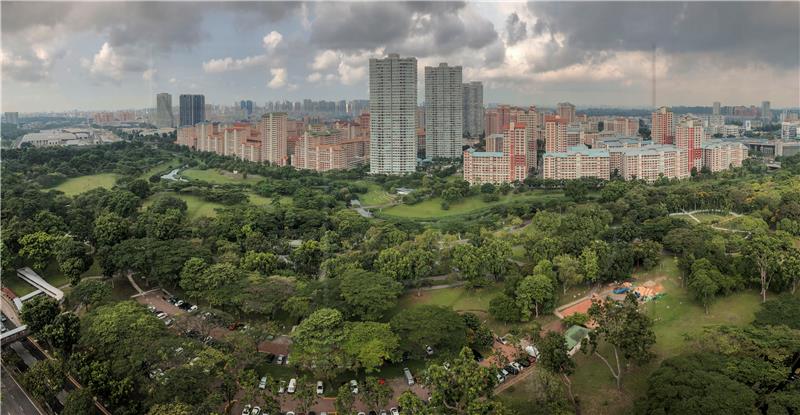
<point>368,345</point>
<point>344,400</point>
<point>369,295</point>
<point>783,310</point>
<point>140,188</point>
<point>263,262</point>
<point>535,291</point>
<point>305,395</point>
<point>703,282</point>
<point>63,333</point>
<point>590,265</point>
<point>576,190</point>
<point>174,408</point>
<point>763,251</point>
<point>217,284</point>
<point>429,325</point>
<point>79,402</point>
<point>625,329</point>
<point>463,388</point>
<point>37,247</point>
<point>307,257</point>
<point>318,343</point>
<point>467,259</point>
<point>504,308</point>
<point>89,293</point>
<point>375,394</point>
<point>109,229</point>
<point>39,312</point>
<point>554,357</point>
<point>495,254</point>
<point>696,384</point>
<point>44,380</point>
<point>569,271</point>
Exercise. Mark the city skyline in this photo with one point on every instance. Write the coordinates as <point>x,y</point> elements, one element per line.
<point>63,56</point>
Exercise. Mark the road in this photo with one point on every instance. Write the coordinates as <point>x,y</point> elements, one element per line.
<point>15,400</point>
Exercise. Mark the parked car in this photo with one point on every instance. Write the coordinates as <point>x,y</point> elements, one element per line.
<point>354,386</point>
<point>524,362</point>
<point>290,413</point>
<point>505,372</point>
<point>162,315</point>
<point>262,384</point>
<point>394,411</point>
<point>151,307</point>
<point>270,357</point>
<point>292,385</point>
<point>282,387</point>
<point>500,377</point>
<point>255,411</point>
<point>429,350</point>
<point>246,410</point>
<point>409,377</point>
<point>178,303</point>
<point>517,366</point>
<point>511,369</point>
<point>383,412</point>
<point>280,359</point>
<point>478,355</point>
<point>192,309</point>
<point>320,388</point>
<point>169,321</point>
<point>502,340</point>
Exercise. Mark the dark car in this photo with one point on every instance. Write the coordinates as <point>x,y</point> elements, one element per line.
<point>524,362</point>
<point>478,355</point>
<point>270,358</point>
<point>511,369</point>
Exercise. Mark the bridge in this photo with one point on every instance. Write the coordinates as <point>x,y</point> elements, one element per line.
<point>32,278</point>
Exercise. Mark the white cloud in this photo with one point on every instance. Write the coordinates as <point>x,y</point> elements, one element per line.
<point>229,64</point>
<point>105,63</point>
<point>324,60</point>
<point>173,81</point>
<point>278,78</point>
<point>149,74</point>
<point>272,40</point>
<point>314,77</point>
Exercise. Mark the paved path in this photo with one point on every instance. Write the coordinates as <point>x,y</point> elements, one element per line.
<point>133,283</point>
<point>15,400</point>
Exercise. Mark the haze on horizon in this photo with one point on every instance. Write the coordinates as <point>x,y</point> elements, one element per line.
<point>72,55</point>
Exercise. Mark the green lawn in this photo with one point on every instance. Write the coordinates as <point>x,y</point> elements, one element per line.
<point>160,168</point>
<point>257,200</point>
<point>196,207</point>
<point>219,176</point>
<point>375,196</point>
<point>432,208</point>
<point>78,185</point>
<point>675,316</point>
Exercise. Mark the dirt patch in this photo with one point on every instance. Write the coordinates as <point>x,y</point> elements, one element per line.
<point>158,299</point>
<point>579,307</point>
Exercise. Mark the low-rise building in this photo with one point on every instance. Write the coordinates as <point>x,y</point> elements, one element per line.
<point>721,155</point>
<point>577,162</point>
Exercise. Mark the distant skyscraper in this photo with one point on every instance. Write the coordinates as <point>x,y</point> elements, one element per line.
<point>273,131</point>
<point>11,117</point>
<point>247,106</point>
<point>715,109</point>
<point>766,113</point>
<point>444,111</point>
<point>164,117</point>
<point>662,130</point>
<point>555,134</point>
<point>392,107</point>
<point>566,111</point>
<point>473,109</point>
<point>192,109</point>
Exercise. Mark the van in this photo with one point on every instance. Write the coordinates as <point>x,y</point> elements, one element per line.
<point>292,385</point>
<point>409,378</point>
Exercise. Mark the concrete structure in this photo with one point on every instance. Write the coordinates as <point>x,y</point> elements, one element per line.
<point>566,111</point>
<point>530,119</point>
<point>579,161</point>
<point>766,113</point>
<point>662,130</point>
<point>192,109</point>
<point>273,133</point>
<point>494,142</point>
<point>789,129</point>
<point>164,117</point>
<point>330,150</point>
<point>624,127</point>
<point>715,109</point>
<point>689,135</point>
<point>555,134</point>
<point>496,119</point>
<point>506,166</point>
<point>31,277</point>
<point>13,117</point>
<point>392,107</point>
<point>473,113</point>
<point>444,111</point>
<point>651,162</point>
<point>59,138</point>
<point>721,155</point>
<point>247,107</point>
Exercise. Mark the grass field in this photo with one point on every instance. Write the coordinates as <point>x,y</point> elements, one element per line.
<point>159,168</point>
<point>78,185</point>
<point>432,208</point>
<point>375,196</point>
<point>675,316</point>
<point>219,176</point>
<point>196,207</point>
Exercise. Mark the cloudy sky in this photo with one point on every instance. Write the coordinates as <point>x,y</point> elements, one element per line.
<point>58,56</point>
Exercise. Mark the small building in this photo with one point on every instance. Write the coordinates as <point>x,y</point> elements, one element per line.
<point>574,336</point>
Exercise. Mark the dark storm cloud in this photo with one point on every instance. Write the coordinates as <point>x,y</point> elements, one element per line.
<point>763,31</point>
<point>364,26</point>
<point>516,29</point>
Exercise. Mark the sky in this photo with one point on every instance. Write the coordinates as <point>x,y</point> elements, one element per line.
<point>117,55</point>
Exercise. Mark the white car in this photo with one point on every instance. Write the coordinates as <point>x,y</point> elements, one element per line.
<point>517,366</point>
<point>192,308</point>
<point>162,315</point>
<point>429,350</point>
<point>320,388</point>
<point>282,387</point>
<point>246,410</point>
<point>394,411</point>
<point>263,383</point>
<point>354,386</point>
<point>500,378</point>
<point>256,411</point>
<point>292,385</point>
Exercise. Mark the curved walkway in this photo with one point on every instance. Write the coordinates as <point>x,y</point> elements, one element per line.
<point>719,228</point>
